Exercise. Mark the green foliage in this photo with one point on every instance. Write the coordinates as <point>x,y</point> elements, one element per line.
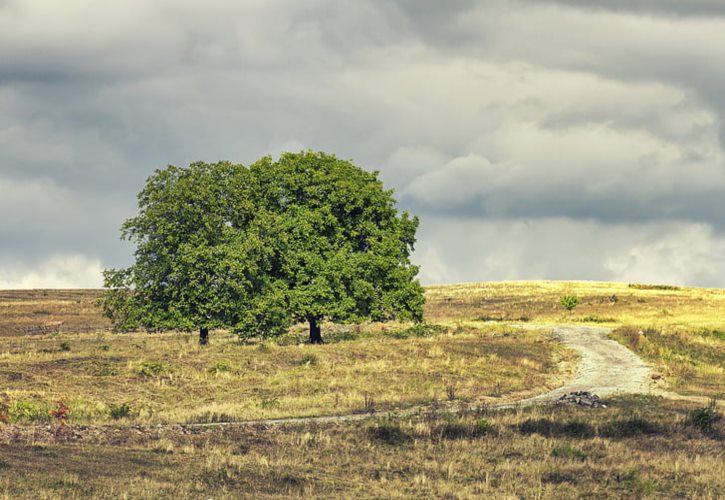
<point>309,359</point>
<point>119,411</point>
<point>65,346</point>
<point>704,418</point>
<point>150,368</point>
<point>568,451</point>
<point>220,366</point>
<point>304,238</point>
<point>29,411</point>
<point>569,302</point>
<point>388,432</point>
<point>418,330</point>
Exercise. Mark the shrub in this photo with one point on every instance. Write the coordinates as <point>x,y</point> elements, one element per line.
<point>569,301</point>
<point>150,368</point>
<point>61,412</point>
<point>118,412</point>
<point>419,330</point>
<point>266,403</point>
<point>65,346</point>
<point>567,451</point>
<point>220,366</point>
<point>4,409</point>
<point>309,359</point>
<point>28,411</point>
<point>388,432</point>
<point>704,418</point>
<point>630,427</point>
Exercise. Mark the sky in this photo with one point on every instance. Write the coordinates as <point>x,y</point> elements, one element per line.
<point>535,139</point>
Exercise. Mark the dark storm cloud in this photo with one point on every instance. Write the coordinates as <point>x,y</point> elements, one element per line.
<point>570,117</point>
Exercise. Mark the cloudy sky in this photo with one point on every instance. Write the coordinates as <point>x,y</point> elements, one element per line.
<point>562,139</point>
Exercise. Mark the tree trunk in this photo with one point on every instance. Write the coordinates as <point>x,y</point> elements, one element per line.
<point>315,332</point>
<point>203,336</point>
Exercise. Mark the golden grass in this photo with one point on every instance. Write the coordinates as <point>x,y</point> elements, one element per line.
<point>635,448</point>
<point>169,378</point>
<point>683,328</point>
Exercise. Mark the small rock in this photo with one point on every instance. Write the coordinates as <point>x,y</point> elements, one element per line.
<point>582,398</point>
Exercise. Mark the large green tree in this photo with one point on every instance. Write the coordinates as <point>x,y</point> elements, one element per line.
<point>305,238</point>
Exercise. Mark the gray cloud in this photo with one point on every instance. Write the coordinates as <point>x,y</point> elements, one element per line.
<point>690,8</point>
<point>512,119</point>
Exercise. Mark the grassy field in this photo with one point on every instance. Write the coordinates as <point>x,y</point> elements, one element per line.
<point>119,387</point>
<point>635,448</point>
<point>168,378</point>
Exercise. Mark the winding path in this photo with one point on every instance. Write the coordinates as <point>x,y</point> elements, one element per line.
<point>605,368</point>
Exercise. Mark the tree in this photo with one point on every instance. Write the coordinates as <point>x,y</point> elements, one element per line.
<point>305,238</point>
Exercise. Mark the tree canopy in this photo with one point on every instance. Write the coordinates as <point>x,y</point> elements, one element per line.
<point>305,238</point>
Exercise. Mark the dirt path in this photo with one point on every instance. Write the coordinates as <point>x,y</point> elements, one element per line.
<point>606,367</point>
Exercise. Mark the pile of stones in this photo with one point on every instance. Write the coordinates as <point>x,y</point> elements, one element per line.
<point>581,398</point>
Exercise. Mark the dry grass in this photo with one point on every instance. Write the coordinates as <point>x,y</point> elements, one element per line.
<point>636,448</point>
<point>167,377</point>
<point>684,327</point>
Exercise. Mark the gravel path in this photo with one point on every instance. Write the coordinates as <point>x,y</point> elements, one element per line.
<point>606,367</point>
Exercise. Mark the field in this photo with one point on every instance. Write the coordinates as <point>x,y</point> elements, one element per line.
<point>135,402</point>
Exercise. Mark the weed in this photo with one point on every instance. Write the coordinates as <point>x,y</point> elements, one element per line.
<point>4,464</point>
<point>220,366</point>
<point>150,368</point>
<point>61,412</point>
<point>704,418</point>
<point>267,403</point>
<point>630,427</point>
<point>119,411</point>
<point>569,302</point>
<point>388,432</point>
<point>65,346</point>
<point>368,403</point>
<point>4,409</point>
<point>418,330</point>
<point>28,411</point>
<point>210,417</point>
<point>309,359</point>
<point>593,318</point>
<point>483,427</point>
<point>567,451</point>
<point>451,392</point>
<point>552,428</point>
<point>640,286</point>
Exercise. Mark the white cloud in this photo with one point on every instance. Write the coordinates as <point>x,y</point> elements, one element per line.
<point>58,271</point>
<point>558,248</point>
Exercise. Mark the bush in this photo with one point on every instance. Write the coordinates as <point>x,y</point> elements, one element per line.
<point>4,409</point>
<point>118,412</point>
<point>220,366</point>
<point>150,368</point>
<point>65,346</point>
<point>705,418</point>
<point>29,411</point>
<point>309,359</point>
<point>388,432</point>
<point>419,330</point>
<point>567,451</point>
<point>569,301</point>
